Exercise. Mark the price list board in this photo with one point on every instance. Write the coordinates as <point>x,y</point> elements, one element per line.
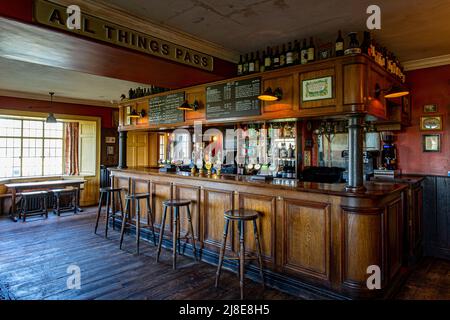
<point>233,99</point>
<point>164,109</point>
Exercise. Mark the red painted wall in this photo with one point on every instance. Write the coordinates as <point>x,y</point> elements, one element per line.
<point>428,86</point>
<point>57,107</point>
<point>17,9</point>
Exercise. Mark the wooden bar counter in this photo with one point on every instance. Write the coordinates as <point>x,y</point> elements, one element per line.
<point>317,237</point>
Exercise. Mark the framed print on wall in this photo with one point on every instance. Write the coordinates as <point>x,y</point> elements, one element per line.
<point>430,108</point>
<point>430,123</point>
<point>431,142</point>
<point>317,89</point>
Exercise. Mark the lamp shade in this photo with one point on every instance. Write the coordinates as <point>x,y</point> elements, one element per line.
<point>269,95</point>
<point>396,92</point>
<point>189,107</point>
<point>50,118</point>
<point>134,114</point>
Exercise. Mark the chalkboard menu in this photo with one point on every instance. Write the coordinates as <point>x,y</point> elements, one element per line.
<point>164,109</point>
<point>233,99</point>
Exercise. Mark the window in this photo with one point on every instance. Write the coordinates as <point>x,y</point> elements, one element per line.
<point>162,147</point>
<point>181,146</point>
<point>30,148</point>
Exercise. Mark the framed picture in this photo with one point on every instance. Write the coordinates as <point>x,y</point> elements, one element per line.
<point>430,123</point>
<point>110,140</point>
<point>317,89</point>
<point>431,143</point>
<point>429,108</point>
<point>110,150</point>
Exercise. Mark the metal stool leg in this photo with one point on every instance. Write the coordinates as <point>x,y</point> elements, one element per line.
<point>175,238</point>
<point>113,208</point>
<point>108,200</point>
<point>222,251</point>
<point>138,224</point>
<point>124,221</point>
<point>241,257</point>
<point>150,219</point>
<point>258,247</point>
<point>192,232</point>
<point>98,211</point>
<point>161,233</point>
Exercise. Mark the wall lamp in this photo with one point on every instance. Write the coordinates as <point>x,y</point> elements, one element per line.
<point>269,95</point>
<point>135,114</point>
<point>391,92</point>
<point>189,107</point>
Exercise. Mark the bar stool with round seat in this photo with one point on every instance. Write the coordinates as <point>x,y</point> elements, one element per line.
<point>240,216</point>
<point>176,204</point>
<point>110,194</point>
<point>127,220</point>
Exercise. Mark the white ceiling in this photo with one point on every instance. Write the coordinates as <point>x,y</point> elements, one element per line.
<point>18,76</point>
<point>412,29</point>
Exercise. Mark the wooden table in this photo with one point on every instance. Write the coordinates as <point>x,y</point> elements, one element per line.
<point>42,185</point>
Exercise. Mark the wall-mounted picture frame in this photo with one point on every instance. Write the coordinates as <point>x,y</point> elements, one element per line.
<point>317,89</point>
<point>430,108</point>
<point>431,123</point>
<point>110,140</point>
<point>431,142</point>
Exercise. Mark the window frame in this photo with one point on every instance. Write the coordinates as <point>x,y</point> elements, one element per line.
<point>42,138</point>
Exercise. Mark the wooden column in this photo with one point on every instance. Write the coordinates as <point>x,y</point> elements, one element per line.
<point>355,181</point>
<point>122,149</point>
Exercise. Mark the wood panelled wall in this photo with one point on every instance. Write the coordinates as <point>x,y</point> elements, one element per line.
<point>436,216</point>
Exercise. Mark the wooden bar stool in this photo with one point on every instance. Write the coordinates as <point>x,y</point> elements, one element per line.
<point>109,193</point>
<point>240,216</point>
<point>127,219</point>
<point>26,204</point>
<point>176,204</point>
<point>58,194</point>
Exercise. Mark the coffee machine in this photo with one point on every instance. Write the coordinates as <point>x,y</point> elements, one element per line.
<point>388,151</point>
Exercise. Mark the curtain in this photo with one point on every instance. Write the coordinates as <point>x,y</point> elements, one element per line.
<point>71,138</point>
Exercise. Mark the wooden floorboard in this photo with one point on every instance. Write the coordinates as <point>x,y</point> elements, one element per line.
<point>34,257</point>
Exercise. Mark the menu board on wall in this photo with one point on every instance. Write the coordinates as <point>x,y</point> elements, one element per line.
<point>164,109</point>
<point>233,99</point>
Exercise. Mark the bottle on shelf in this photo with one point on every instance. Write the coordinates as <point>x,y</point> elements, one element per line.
<point>296,53</point>
<point>304,53</point>
<point>268,60</point>
<point>283,56</point>
<point>245,65</point>
<point>339,46</point>
<point>257,62</point>
<point>311,50</point>
<point>251,64</point>
<point>289,55</point>
<point>290,152</point>
<point>240,66</point>
<point>262,64</point>
<point>353,47</point>
<point>276,59</point>
<point>365,46</point>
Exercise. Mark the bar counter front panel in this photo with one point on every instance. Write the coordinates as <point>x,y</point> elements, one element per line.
<point>315,236</point>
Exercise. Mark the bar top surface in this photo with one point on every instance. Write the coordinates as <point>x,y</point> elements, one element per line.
<point>373,188</point>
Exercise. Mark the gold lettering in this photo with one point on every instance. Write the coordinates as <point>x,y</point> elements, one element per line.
<point>154,46</point>
<point>56,16</point>
<point>165,49</point>
<point>142,42</point>
<point>122,36</point>
<point>178,53</point>
<point>187,57</point>
<point>109,30</point>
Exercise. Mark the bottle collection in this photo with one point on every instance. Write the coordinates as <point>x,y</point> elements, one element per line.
<point>144,92</point>
<point>294,53</point>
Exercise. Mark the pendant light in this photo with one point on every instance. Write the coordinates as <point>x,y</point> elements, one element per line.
<point>51,117</point>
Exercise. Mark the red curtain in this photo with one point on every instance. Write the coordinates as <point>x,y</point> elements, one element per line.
<point>71,138</point>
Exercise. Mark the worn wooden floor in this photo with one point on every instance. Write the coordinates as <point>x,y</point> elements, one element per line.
<point>34,258</point>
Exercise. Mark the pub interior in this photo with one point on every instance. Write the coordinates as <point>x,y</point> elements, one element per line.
<point>133,132</point>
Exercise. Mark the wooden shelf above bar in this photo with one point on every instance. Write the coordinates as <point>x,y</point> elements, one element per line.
<point>354,79</point>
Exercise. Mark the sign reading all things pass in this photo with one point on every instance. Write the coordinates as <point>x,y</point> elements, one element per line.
<point>55,16</point>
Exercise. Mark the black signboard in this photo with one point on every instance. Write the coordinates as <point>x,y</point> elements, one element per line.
<point>164,109</point>
<point>233,99</point>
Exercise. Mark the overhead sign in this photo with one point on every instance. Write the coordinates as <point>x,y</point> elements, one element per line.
<point>55,16</point>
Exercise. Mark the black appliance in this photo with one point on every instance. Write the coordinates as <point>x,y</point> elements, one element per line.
<point>389,151</point>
